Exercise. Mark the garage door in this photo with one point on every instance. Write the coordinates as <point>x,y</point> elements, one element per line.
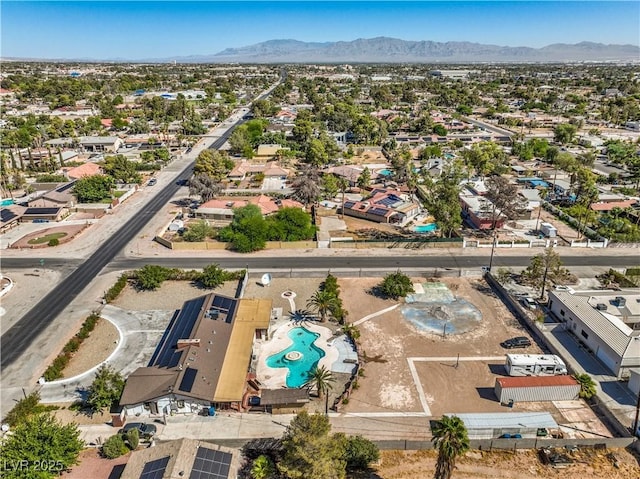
<point>606,359</point>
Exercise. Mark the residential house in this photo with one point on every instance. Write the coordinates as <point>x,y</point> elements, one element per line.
<point>221,210</point>
<point>349,173</point>
<point>477,211</point>
<point>606,322</point>
<point>84,170</point>
<point>384,206</point>
<point>188,458</point>
<point>201,360</point>
<point>96,144</point>
<point>245,169</point>
<point>269,152</point>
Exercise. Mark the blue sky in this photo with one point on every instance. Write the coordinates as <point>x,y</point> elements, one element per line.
<point>159,29</point>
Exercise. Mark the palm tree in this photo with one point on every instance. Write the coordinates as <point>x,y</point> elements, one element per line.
<point>451,439</point>
<point>305,187</point>
<point>323,380</point>
<point>262,468</point>
<point>587,386</point>
<point>323,302</point>
<point>351,331</point>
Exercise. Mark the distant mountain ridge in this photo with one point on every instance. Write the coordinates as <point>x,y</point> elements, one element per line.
<point>385,49</point>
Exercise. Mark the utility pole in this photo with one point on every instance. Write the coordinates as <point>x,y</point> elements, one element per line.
<point>493,248</point>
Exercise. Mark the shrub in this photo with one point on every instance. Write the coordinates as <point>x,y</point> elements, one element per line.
<point>396,285</point>
<point>23,409</point>
<point>116,289</point>
<point>360,452</point>
<point>133,439</point>
<point>73,345</point>
<point>114,447</point>
<point>151,276</point>
<point>53,242</point>
<point>213,276</point>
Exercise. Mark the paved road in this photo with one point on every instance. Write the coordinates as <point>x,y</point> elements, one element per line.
<point>329,262</point>
<point>489,127</point>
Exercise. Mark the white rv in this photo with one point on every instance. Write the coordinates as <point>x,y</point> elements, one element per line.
<point>534,365</point>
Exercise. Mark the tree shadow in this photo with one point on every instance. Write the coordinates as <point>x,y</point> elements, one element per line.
<point>301,316</point>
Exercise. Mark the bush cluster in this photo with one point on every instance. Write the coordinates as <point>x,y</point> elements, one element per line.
<point>330,285</point>
<point>152,276</point>
<point>55,369</point>
<point>116,289</point>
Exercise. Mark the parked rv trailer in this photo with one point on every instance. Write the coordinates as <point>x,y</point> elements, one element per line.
<point>534,365</point>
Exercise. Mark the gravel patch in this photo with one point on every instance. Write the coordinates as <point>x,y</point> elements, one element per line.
<point>304,288</point>
<point>170,296</point>
<point>96,348</point>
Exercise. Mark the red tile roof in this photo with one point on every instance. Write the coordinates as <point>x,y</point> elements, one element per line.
<point>86,169</point>
<point>614,204</point>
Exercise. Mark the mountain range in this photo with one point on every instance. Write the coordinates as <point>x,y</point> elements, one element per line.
<point>393,50</point>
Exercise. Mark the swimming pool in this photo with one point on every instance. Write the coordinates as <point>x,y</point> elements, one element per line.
<point>385,172</point>
<point>299,365</point>
<point>428,228</point>
<point>7,202</point>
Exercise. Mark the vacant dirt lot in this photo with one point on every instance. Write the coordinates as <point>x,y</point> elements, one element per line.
<point>388,340</point>
<point>523,464</point>
<point>96,348</point>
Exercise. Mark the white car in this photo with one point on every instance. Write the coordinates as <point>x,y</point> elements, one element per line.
<point>529,302</point>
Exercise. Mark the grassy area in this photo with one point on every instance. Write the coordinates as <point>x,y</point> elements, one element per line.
<point>118,193</point>
<point>47,238</point>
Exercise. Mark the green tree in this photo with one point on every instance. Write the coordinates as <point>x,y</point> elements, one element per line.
<point>439,130</point>
<point>291,224</point>
<point>114,447</point>
<point>121,169</point>
<point>213,276</point>
<point>565,133</point>
<point>92,189</point>
<point>316,154</point>
<point>309,451</point>
<point>24,408</point>
<point>262,468</point>
<point>442,199</point>
<point>351,331</point>
<point>364,179</point>
<point>248,231</point>
<point>198,231</point>
<point>360,453</point>
<point>214,164</point>
<point>40,439</point>
<point>587,386</point>
<point>323,302</point>
<point>451,440</point>
<point>544,270</point>
<point>106,388</point>
<point>151,276</point>
<point>329,186</point>
<point>396,285</point>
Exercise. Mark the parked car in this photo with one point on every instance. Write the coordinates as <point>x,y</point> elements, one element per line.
<point>529,302</point>
<point>517,342</point>
<point>147,431</point>
<point>152,181</point>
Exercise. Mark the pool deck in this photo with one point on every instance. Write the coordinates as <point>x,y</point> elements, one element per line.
<point>274,378</point>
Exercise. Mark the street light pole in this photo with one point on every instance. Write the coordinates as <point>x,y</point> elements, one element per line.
<point>493,248</point>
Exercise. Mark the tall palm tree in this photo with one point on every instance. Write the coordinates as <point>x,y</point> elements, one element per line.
<point>323,380</point>
<point>323,302</point>
<point>306,187</point>
<point>351,331</point>
<point>587,386</point>
<point>451,440</point>
<point>262,468</point>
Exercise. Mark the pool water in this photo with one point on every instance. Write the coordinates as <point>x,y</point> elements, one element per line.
<point>303,340</point>
<point>385,172</point>
<point>428,228</point>
<point>6,202</point>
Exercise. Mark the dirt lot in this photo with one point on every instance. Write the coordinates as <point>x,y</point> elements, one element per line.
<point>95,349</point>
<point>523,464</point>
<point>71,232</point>
<point>302,287</point>
<point>564,230</point>
<point>389,339</point>
<point>171,295</point>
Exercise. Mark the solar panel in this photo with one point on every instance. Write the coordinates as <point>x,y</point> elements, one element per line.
<point>7,215</point>
<point>41,211</point>
<point>188,379</point>
<point>378,211</point>
<point>211,464</point>
<point>349,204</point>
<point>65,187</point>
<point>155,469</point>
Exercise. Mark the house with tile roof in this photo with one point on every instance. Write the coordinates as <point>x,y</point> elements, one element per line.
<point>383,206</point>
<point>81,171</point>
<point>221,210</point>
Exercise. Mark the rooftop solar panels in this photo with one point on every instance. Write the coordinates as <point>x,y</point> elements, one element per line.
<point>155,469</point>
<point>7,215</point>
<point>225,305</point>
<point>65,187</point>
<point>378,211</point>
<point>349,204</point>
<point>211,464</point>
<point>41,211</point>
<point>188,379</point>
<point>166,355</point>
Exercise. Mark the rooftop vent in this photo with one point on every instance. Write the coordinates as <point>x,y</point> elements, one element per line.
<point>601,307</point>
<point>620,301</point>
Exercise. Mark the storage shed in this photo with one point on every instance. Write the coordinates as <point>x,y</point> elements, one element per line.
<point>495,425</point>
<point>536,388</point>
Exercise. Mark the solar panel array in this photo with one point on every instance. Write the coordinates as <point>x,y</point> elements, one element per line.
<point>188,379</point>
<point>378,211</point>
<point>225,305</point>
<point>155,469</point>
<point>349,204</point>
<point>166,355</point>
<point>63,188</point>
<point>7,215</point>
<point>41,211</point>
<point>211,464</point>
